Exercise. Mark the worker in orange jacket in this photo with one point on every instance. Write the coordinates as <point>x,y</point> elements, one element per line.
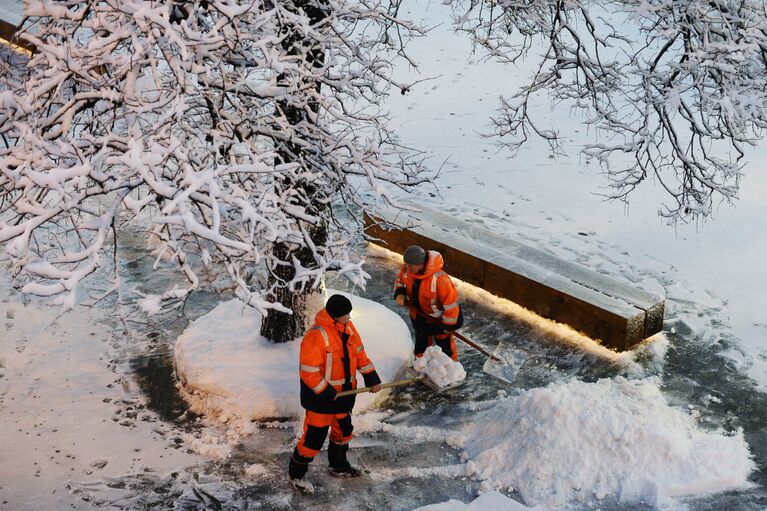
<point>431,298</point>
<point>331,354</point>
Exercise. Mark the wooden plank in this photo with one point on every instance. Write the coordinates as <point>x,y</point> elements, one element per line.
<point>618,314</point>
<point>6,30</point>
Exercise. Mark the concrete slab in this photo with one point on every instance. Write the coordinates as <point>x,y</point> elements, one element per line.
<point>616,313</point>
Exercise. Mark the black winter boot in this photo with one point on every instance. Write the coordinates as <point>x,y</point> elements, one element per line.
<point>339,465</point>
<point>297,469</point>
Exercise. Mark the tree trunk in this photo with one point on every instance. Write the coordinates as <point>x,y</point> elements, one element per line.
<point>280,326</point>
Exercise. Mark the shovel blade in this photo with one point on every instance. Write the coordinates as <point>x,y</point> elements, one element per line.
<point>512,360</point>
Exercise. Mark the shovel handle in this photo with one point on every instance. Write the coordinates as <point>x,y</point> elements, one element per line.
<point>397,383</point>
<point>476,346</point>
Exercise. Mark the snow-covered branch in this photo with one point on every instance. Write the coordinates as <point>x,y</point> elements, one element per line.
<point>225,128</point>
<point>676,90</point>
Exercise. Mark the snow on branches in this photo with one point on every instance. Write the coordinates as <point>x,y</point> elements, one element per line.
<point>676,89</point>
<point>223,128</point>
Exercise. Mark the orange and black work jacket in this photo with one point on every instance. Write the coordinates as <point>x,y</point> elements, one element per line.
<point>331,355</point>
<point>431,293</point>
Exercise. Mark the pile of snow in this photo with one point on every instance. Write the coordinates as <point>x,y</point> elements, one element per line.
<point>578,441</point>
<point>490,501</point>
<point>442,370</point>
<point>208,444</point>
<point>229,372</point>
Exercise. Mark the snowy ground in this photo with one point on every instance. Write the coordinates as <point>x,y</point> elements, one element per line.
<point>93,420</point>
<point>73,418</point>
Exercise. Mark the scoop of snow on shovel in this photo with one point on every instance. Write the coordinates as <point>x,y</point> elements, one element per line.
<point>440,369</point>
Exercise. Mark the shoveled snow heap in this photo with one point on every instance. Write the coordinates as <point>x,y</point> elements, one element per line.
<point>228,371</point>
<point>576,441</point>
<point>439,368</point>
<point>490,501</point>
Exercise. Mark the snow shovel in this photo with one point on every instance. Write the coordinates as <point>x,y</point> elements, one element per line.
<point>397,383</point>
<point>512,359</point>
<point>504,367</point>
<point>479,348</point>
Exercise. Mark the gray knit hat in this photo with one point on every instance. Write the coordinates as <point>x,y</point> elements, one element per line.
<point>414,255</point>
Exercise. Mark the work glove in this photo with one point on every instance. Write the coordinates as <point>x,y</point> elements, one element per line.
<point>328,394</point>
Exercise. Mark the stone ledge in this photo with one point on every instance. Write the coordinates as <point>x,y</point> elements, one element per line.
<point>617,314</point>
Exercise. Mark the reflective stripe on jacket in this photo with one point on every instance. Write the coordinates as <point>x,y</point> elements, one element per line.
<point>437,297</point>
<point>331,355</point>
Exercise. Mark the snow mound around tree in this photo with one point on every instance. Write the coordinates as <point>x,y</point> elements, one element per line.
<point>439,368</point>
<point>227,371</point>
<point>576,441</point>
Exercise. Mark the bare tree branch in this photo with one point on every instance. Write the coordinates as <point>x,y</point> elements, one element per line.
<point>677,90</point>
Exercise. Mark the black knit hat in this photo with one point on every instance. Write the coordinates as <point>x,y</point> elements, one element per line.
<point>337,306</point>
